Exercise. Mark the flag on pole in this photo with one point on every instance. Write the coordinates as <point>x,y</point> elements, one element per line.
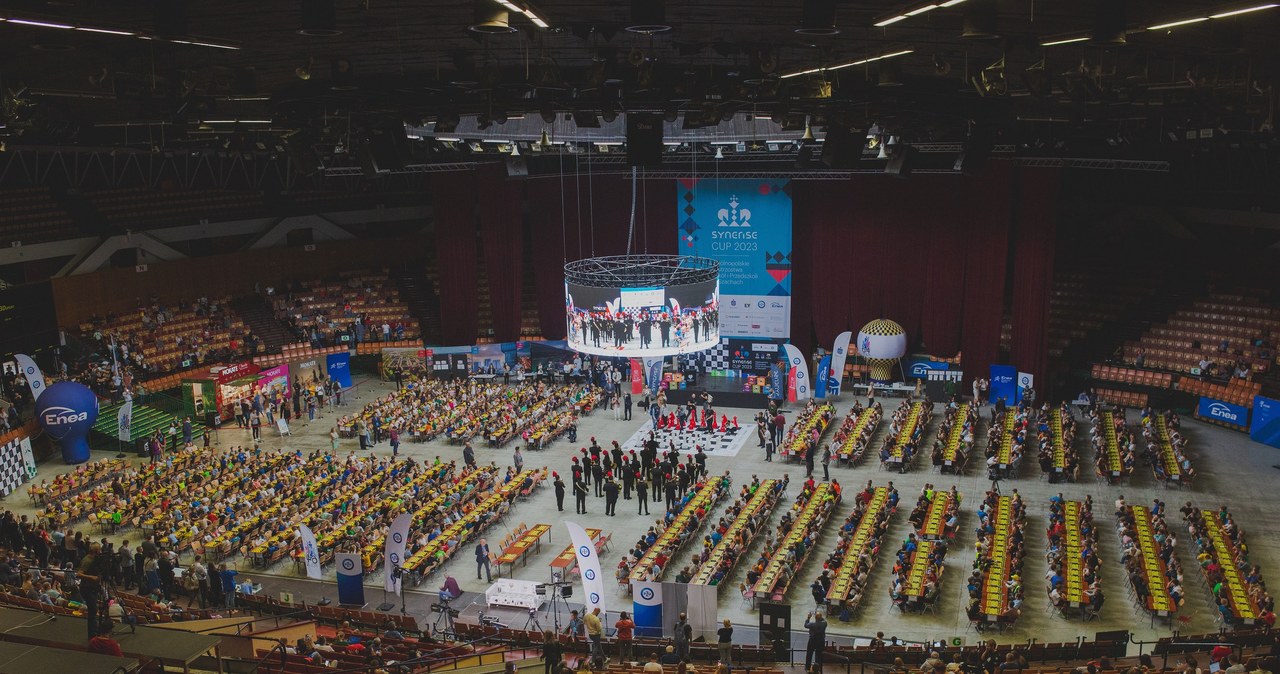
<point>393,553</point>
<point>124,422</point>
<point>589,563</point>
<point>839,352</point>
<point>31,372</point>
<point>310,550</point>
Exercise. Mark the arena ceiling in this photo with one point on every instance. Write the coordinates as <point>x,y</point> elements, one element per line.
<point>209,74</point>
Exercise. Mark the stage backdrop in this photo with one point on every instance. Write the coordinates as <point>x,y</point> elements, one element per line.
<point>746,226</point>
<point>1265,426</point>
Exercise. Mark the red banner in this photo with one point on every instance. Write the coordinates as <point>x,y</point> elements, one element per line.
<point>791,384</point>
<point>637,376</point>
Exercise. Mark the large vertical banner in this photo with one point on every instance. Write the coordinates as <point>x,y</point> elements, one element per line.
<point>339,367</point>
<point>350,579</point>
<point>824,375</point>
<point>589,564</point>
<point>31,372</point>
<point>799,387</point>
<point>393,553</point>
<point>646,608</point>
<point>124,422</point>
<point>1265,426</point>
<point>653,374</point>
<point>310,551</point>
<point>839,352</point>
<point>746,226</point>
<point>1004,384</point>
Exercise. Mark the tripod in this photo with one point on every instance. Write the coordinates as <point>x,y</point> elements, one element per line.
<point>555,590</point>
<point>443,626</point>
<point>532,622</point>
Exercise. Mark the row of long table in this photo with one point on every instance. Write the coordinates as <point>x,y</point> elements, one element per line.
<point>706,496</point>
<point>770,582</point>
<point>995,593</point>
<point>1110,445</point>
<point>1057,441</point>
<point>1235,589</point>
<point>799,434</point>
<point>919,564</point>
<point>935,519</point>
<point>1073,540</point>
<point>464,526</point>
<point>951,448</point>
<point>1164,447</point>
<point>842,584</point>
<point>1004,455</point>
<point>917,417</point>
<point>764,499</point>
<point>866,422</point>
<point>1153,566</point>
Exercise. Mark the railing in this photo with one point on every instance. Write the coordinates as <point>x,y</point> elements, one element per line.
<point>284,657</point>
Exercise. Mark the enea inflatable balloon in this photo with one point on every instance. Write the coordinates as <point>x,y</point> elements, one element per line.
<point>66,411</point>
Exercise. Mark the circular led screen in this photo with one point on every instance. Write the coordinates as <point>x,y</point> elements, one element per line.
<point>642,306</point>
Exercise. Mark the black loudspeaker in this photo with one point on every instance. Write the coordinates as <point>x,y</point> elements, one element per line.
<point>644,139</point>
<point>517,167</point>
<point>977,149</point>
<point>840,149</point>
<point>566,591</point>
<point>379,154</point>
<point>775,627</point>
<point>900,161</point>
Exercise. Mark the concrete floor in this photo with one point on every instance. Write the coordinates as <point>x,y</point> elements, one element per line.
<point>1233,470</point>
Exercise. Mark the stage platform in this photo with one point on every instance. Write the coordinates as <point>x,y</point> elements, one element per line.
<point>725,392</point>
<point>173,648</point>
<point>544,617</point>
<point>27,659</point>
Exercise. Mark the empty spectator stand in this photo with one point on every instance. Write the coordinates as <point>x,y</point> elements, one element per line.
<point>32,215</point>
<point>1199,331</point>
<point>1234,391</point>
<point>1135,376</point>
<point>337,302</point>
<point>138,208</point>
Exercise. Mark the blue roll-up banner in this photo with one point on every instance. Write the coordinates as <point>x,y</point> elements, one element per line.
<point>1265,427</point>
<point>919,368</point>
<point>646,608</point>
<point>350,579</point>
<point>1004,384</point>
<point>339,367</point>
<point>778,381</point>
<point>653,374</point>
<point>1227,413</point>
<point>820,382</point>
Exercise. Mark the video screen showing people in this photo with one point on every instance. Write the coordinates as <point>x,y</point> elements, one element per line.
<point>643,321</point>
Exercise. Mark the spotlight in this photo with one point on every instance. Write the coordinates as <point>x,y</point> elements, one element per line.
<point>490,19</point>
<point>719,153</point>
<point>544,142</point>
<point>807,137</point>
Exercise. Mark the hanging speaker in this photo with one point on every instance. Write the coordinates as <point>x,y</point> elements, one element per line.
<point>644,139</point>
<point>840,148</point>
<point>319,18</point>
<point>981,20</point>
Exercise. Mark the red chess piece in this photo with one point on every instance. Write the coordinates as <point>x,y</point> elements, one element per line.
<point>672,421</point>
<point>735,422</point>
<point>724,422</point>
<point>713,422</point>
<point>693,421</point>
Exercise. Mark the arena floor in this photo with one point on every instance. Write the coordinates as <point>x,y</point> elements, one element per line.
<point>1232,471</point>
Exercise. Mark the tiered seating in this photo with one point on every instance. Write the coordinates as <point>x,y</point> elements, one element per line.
<point>1000,559</point>
<point>491,509</point>
<point>1057,435</point>
<point>144,421</point>
<point>1006,440</point>
<point>160,339</point>
<point>749,514</point>
<point>955,438</point>
<point>801,525</point>
<point>1235,391</point>
<point>855,432</point>
<point>936,515</point>
<point>1073,558</point>
<point>1167,449</point>
<point>650,566</point>
<point>1150,559</point>
<point>1238,590</point>
<point>1122,398</point>
<point>317,308</point>
<point>1130,375</point>
<point>905,432</point>
<point>858,546</point>
<point>1202,330</point>
<point>1082,302</point>
<point>32,216</point>
<point>1113,444</point>
<point>813,419</point>
<point>139,208</point>
<point>918,572</point>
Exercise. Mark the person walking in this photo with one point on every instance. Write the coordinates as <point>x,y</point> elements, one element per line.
<point>779,425</point>
<point>817,627</point>
<point>552,653</point>
<point>333,438</point>
<point>625,629</point>
<point>394,438</point>
<point>826,463</point>
<point>482,560</point>
<point>517,460</point>
<point>559,486</point>
<point>724,643</point>
<point>468,456</point>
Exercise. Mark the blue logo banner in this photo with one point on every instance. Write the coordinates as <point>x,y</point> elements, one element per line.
<point>339,366</point>
<point>1266,421</point>
<point>1004,384</point>
<point>1224,412</point>
<point>918,368</point>
<point>350,579</point>
<point>746,226</point>
<point>824,374</point>
<point>777,382</point>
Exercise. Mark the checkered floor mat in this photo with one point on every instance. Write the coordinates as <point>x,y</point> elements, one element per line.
<point>713,443</point>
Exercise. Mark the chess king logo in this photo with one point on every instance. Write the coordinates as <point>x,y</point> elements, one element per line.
<point>733,216</point>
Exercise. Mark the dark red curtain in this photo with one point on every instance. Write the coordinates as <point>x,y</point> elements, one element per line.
<point>986,211</point>
<point>820,208</point>
<point>454,209</point>
<point>549,243</point>
<point>501,214</point>
<point>1035,231</point>
<point>806,276</point>
<point>942,305</point>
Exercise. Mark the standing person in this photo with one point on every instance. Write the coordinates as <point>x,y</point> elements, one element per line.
<point>468,456</point>
<point>779,424</point>
<point>228,578</point>
<point>595,634</point>
<point>201,590</point>
<point>809,450</point>
<point>579,495</point>
<point>626,406</point>
<point>826,463</point>
<point>610,497</point>
<point>186,430</point>
<point>90,571</point>
<point>482,560</point>
<point>517,459</point>
<point>255,424</point>
<point>333,438</point>
<point>394,438</point>
<point>683,633</point>
<point>625,634</point>
<point>817,627</point>
<point>724,643</point>
<point>642,495</point>
<point>552,653</point>
<point>559,486</point>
